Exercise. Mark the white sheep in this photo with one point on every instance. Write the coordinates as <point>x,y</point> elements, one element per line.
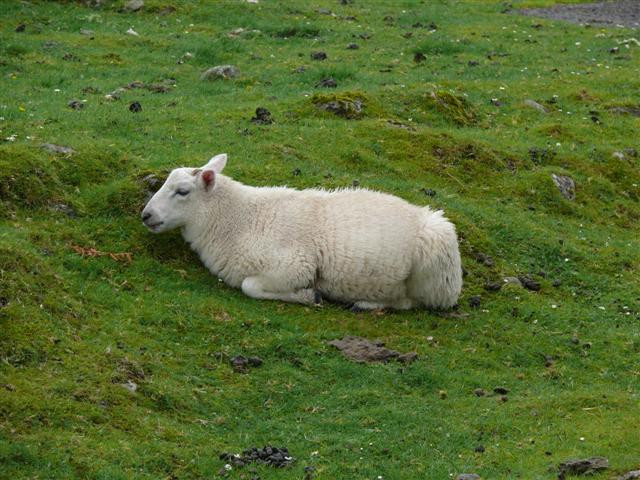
<point>356,246</point>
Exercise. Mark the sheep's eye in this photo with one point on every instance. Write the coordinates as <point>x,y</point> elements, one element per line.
<point>182,192</point>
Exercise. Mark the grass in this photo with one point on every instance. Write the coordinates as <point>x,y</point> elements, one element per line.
<point>75,329</point>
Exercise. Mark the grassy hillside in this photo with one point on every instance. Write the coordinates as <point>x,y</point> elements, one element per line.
<point>445,123</point>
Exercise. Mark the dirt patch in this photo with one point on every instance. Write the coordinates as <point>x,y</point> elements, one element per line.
<point>362,350</point>
<point>608,14</point>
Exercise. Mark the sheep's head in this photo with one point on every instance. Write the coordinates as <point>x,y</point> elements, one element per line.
<point>171,205</point>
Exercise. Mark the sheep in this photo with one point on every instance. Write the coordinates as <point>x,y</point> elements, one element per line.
<point>364,248</point>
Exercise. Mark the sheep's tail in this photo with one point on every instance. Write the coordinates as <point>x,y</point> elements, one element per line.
<point>436,275</point>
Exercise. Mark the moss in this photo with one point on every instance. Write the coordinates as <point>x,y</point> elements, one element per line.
<point>26,179</point>
<point>350,105</point>
<point>454,108</point>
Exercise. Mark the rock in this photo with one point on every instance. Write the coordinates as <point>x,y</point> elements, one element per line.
<point>131,386</point>
<point>429,192</point>
<point>501,390</point>
<point>278,457</point>
<point>630,152</point>
<point>492,286</point>
<point>475,301</point>
<point>220,71</point>
<point>633,475</point>
<point>159,88</point>
<point>135,84</point>
<point>535,105</point>
<point>53,148</point>
<point>135,107</point>
<point>618,155</point>
<point>75,104</point>
<point>512,281</point>
<point>495,102</point>
<point>419,57</point>
<point>21,28</point>
<point>473,63</point>
<point>263,117</point>
<point>133,5</point>
<point>586,466</point>
<point>479,392</point>
<point>240,364</point>
<point>362,350</point>
<point>408,358</point>
<point>115,95</point>
<point>632,110</point>
<point>479,449</point>
<point>132,32</point>
<point>566,185</point>
<point>70,57</point>
<point>255,361</point>
<point>484,259</point>
<point>66,209</point>
<point>341,105</point>
<point>327,83</point>
<point>86,32</point>
<point>529,283</point>
<point>185,57</point>
<point>318,56</point>
<point>152,182</point>
<point>468,476</point>
<point>353,46</point>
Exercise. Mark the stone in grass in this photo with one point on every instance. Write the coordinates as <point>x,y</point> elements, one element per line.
<point>224,72</point>
<point>53,148</point>
<point>327,83</point>
<point>529,283</point>
<point>346,105</point>
<point>587,466</point>
<point>75,104</point>
<point>362,350</point>
<point>633,475</point>
<point>318,56</point>
<point>536,106</point>
<point>468,476</point>
<point>133,5</point>
<point>566,185</point>
<point>419,57</point>
<point>263,117</point>
<point>135,107</point>
<point>353,46</point>
<point>278,457</point>
<point>512,281</point>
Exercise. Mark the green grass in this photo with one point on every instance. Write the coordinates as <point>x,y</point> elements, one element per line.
<point>74,329</point>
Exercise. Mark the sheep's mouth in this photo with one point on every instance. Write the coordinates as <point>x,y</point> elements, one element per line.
<point>153,226</point>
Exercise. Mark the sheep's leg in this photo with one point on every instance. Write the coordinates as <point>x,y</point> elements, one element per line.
<point>364,305</point>
<point>402,304</point>
<point>269,288</point>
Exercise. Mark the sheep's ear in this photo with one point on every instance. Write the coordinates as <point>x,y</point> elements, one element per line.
<point>208,179</point>
<point>217,163</point>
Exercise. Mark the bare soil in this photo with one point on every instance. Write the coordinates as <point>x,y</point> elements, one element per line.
<point>608,14</point>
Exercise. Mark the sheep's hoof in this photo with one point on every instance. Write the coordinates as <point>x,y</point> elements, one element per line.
<point>317,298</point>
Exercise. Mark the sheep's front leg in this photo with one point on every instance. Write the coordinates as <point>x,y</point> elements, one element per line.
<point>269,288</point>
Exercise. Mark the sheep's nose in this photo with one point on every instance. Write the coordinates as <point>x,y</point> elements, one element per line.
<point>145,216</point>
